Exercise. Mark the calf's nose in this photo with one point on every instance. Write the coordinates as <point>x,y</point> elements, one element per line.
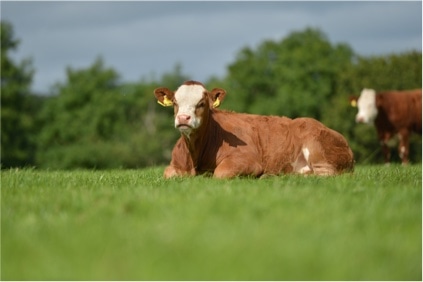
<point>183,119</point>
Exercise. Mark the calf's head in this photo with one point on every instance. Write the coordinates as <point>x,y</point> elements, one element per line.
<point>192,104</point>
<point>367,109</point>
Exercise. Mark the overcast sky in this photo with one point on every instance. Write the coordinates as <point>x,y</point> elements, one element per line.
<point>139,39</point>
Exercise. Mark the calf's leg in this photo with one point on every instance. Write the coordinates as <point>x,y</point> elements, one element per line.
<point>404,146</point>
<point>171,171</point>
<point>329,154</point>
<point>301,164</point>
<point>232,167</point>
<point>316,161</point>
<point>386,152</point>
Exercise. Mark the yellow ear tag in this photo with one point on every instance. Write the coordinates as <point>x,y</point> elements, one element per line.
<point>354,103</point>
<point>216,103</point>
<point>166,102</point>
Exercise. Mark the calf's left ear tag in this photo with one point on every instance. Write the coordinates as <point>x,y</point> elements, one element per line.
<point>166,102</point>
<point>354,103</point>
<point>216,103</point>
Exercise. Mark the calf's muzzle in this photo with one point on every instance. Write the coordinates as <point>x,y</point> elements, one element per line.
<point>183,119</point>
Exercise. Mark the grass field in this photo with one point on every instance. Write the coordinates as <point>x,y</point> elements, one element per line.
<point>134,225</point>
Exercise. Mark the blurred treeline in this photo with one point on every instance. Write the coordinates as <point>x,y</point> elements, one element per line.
<point>94,119</point>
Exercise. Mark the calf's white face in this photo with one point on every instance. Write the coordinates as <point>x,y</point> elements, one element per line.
<point>189,106</point>
<point>366,103</point>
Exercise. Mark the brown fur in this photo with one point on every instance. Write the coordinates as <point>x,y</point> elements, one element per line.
<point>232,144</point>
<point>398,113</point>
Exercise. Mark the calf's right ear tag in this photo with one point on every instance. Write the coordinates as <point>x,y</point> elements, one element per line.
<point>166,102</point>
<point>216,103</point>
<point>354,103</point>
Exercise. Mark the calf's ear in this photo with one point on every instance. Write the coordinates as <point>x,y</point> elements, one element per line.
<point>216,96</point>
<point>353,101</point>
<point>164,96</point>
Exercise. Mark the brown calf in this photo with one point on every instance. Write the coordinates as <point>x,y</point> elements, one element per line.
<point>230,144</point>
<point>394,114</point>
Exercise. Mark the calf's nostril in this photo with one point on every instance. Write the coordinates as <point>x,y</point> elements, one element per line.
<point>183,118</point>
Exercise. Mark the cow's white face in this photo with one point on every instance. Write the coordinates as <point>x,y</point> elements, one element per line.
<point>366,103</point>
<point>189,105</point>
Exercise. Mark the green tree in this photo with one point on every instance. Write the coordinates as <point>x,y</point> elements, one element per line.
<point>82,115</point>
<point>18,106</point>
<point>388,72</point>
<point>95,121</point>
<point>291,77</point>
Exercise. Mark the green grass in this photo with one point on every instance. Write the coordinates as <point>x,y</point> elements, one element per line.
<point>134,225</point>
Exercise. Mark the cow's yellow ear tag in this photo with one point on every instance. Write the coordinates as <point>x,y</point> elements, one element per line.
<point>166,102</point>
<point>216,103</point>
<point>354,103</point>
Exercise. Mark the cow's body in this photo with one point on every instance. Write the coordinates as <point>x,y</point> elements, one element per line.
<point>394,114</point>
<point>230,144</point>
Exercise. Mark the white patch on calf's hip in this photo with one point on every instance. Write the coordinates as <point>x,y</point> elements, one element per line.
<point>306,153</point>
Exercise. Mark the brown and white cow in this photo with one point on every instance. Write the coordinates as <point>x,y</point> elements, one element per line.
<point>396,114</point>
<point>230,144</point>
